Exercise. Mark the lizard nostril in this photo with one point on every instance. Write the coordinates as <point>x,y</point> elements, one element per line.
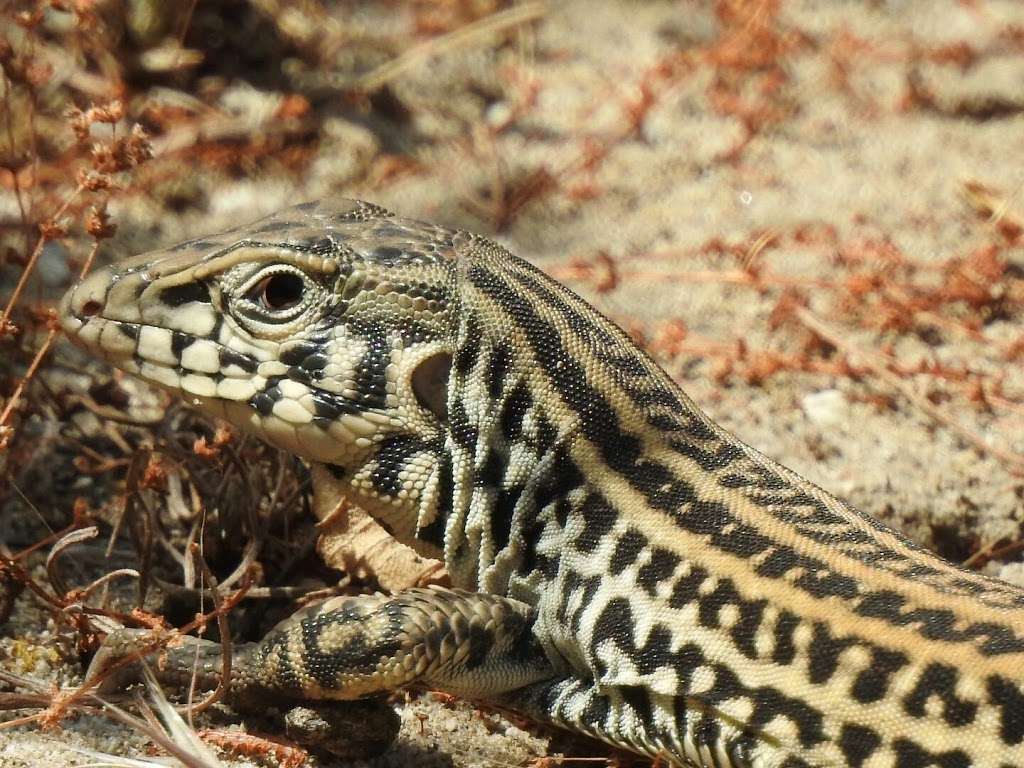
<point>91,308</point>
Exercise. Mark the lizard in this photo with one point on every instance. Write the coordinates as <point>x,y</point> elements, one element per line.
<point>620,565</point>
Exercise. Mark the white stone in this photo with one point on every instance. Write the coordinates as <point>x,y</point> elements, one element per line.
<point>826,408</point>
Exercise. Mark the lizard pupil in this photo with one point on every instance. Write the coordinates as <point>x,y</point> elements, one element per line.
<point>280,291</point>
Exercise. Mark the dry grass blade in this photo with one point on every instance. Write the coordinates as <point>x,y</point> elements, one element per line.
<point>463,37</point>
<point>68,540</point>
<point>994,206</point>
<point>171,734</point>
<point>106,578</point>
<point>225,643</point>
<point>5,416</point>
<point>182,733</point>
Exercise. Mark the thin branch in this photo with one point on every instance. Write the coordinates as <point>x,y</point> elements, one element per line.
<point>463,37</point>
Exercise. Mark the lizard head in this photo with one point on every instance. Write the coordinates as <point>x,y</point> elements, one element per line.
<point>326,329</point>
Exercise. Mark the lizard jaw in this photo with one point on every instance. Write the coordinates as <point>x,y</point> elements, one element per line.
<point>102,315</point>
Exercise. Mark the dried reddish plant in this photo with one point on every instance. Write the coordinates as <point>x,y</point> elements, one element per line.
<point>874,291</point>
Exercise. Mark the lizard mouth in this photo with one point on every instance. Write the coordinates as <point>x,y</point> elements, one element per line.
<point>103,314</point>
<point>184,362</point>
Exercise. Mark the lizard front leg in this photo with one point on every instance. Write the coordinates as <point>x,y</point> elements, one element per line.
<point>465,643</point>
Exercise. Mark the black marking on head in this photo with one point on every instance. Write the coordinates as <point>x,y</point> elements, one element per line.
<point>275,225</point>
<point>179,341</point>
<point>387,255</point>
<point>314,364</point>
<point>328,405</point>
<point>198,245</point>
<point>370,379</point>
<point>230,357</point>
<point>297,353</point>
<point>325,244</point>
<point>218,324</point>
<point>179,295</point>
<point>390,230</point>
<point>263,403</point>
<point>131,330</point>
<point>300,375</point>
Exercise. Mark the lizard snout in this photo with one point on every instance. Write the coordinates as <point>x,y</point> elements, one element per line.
<point>84,300</point>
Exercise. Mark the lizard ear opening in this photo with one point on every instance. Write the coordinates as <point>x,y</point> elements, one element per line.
<point>430,383</point>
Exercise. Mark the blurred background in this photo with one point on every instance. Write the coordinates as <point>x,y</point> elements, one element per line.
<point>810,212</point>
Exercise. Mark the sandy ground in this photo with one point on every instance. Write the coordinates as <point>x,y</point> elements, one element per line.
<point>851,162</point>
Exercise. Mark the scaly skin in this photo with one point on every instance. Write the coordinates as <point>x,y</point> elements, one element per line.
<point>645,577</point>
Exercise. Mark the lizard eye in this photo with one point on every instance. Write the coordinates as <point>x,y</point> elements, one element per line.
<point>279,291</point>
<point>274,299</point>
